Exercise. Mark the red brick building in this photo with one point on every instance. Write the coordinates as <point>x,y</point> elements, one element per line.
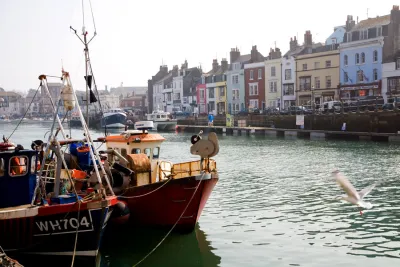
<point>254,84</point>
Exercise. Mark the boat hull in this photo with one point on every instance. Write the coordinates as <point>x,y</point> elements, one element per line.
<point>164,207</point>
<point>52,230</point>
<point>113,120</point>
<point>165,126</point>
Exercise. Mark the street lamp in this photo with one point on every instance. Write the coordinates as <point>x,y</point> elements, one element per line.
<point>312,98</point>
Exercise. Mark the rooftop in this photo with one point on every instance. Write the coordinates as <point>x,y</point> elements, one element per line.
<point>372,22</point>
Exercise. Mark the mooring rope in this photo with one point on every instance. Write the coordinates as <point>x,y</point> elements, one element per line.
<point>173,227</point>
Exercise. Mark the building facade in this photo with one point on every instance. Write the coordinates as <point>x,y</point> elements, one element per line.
<point>361,56</point>
<point>391,81</point>
<point>254,77</point>
<point>288,78</point>
<point>201,90</point>
<point>318,76</point>
<point>273,75</point>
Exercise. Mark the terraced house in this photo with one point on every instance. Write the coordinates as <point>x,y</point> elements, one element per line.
<point>273,92</point>
<point>216,87</point>
<point>235,81</point>
<point>254,81</point>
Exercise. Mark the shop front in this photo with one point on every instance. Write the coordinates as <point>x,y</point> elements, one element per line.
<point>357,91</point>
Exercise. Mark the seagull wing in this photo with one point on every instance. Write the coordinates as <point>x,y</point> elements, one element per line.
<point>346,185</point>
<point>366,191</point>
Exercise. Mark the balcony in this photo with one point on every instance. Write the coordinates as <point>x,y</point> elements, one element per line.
<point>305,87</point>
<point>177,101</point>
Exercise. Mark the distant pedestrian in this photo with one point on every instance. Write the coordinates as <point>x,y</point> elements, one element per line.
<point>210,120</point>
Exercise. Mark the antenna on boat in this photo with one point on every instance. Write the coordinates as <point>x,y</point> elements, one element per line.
<point>89,77</point>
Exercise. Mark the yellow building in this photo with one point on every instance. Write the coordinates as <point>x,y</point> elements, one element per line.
<point>221,95</point>
<point>318,76</point>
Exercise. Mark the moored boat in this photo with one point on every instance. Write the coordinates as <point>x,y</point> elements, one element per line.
<point>162,121</point>
<point>159,192</point>
<point>114,118</point>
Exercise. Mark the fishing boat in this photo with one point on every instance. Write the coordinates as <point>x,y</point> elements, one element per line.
<point>45,209</point>
<point>162,120</point>
<point>114,118</point>
<point>158,192</point>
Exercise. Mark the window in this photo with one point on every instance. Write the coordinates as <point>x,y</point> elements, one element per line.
<point>288,74</point>
<point>123,152</point>
<point>211,93</point>
<point>394,85</point>
<point>147,151</point>
<point>202,94</point>
<point>156,152</point>
<point>328,81</point>
<point>288,89</point>
<point>236,108</point>
<point>272,87</point>
<point>362,58</point>
<point>317,83</point>
<point>379,31</point>
<point>251,75</point>
<point>135,151</point>
<point>222,91</point>
<point>259,74</point>
<point>360,76</point>
<point>273,72</point>
<point>253,103</point>
<point>316,65</point>
<point>375,73</point>
<point>235,93</point>
<point>346,60</point>
<point>304,66</point>
<point>346,77</point>
<point>235,79</point>
<point>328,64</point>
<point>305,83</point>
<point>363,34</point>
<point>375,56</point>
<point>18,166</point>
<point>357,58</point>
<point>272,103</point>
<point>349,37</point>
<point>398,63</point>
<point>253,89</point>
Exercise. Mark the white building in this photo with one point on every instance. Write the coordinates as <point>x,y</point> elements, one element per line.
<point>10,103</point>
<point>288,81</point>
<point>391,80</point>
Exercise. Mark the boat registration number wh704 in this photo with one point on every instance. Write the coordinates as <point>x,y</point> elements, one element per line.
<point>64,224</point>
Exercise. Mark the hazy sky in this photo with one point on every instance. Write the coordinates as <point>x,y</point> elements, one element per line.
<point>134,37</point>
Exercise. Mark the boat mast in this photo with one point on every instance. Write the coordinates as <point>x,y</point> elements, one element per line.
<point>84,32</point>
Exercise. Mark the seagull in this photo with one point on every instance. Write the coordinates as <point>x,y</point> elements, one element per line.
<point>354,197</point>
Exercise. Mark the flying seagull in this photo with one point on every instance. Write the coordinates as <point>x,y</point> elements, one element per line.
<point>354,197</point>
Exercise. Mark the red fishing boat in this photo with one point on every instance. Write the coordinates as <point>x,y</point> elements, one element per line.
<point>159,192</point>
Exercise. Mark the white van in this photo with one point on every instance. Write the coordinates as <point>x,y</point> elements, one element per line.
<point>331,106</point>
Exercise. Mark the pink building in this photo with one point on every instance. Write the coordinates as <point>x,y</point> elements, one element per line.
<point>201,98</point>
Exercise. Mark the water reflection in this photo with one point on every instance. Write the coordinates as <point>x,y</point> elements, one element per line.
<point>126,247</point>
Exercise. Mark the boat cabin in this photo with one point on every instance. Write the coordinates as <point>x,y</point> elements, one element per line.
<point>18,169</point>
<point>159,116</point>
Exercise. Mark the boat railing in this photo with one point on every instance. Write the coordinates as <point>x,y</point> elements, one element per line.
<point>185,169</point>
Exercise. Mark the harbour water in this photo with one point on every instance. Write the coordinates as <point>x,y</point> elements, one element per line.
<point>273,206</point>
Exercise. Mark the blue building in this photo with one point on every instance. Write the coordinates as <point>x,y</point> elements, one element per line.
<point>361,56</point>
<point>337,36</point>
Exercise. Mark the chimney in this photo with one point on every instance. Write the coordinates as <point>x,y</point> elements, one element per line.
<point>215,65</point>
<point>164,68</point>
<point>254,54</point>
<point>308,38</point>
<point>350,23</point>
<point>293,44</point>
<point>184,65</point>
<point>275,54</point>
<point>224,64</point>
<point>234,55</point>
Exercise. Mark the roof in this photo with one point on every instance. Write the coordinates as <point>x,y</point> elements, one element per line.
<point>300,49</point>
<point>372,22</point>
<point>10,94</point>
<point>130,138</point>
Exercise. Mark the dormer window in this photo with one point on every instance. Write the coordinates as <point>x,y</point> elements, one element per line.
<point>379,31</point>
<point>398,63</point>
<point>349,39</point>
<point>363,34</point>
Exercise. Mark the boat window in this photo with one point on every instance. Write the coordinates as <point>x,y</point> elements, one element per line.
<point>18,165</point>
<point>1,167</point>
<point>156,152</point>
<point>135,150</point>
<point>116,158</point>
<point>158,116</point>
<point>34,164</point>
<point>147,151</point>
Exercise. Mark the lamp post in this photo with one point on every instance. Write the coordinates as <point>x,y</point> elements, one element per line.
<point>312,99</point>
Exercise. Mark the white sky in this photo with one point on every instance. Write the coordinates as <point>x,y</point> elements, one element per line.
<point>135,36</point>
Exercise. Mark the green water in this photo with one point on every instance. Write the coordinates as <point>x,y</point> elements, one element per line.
<point>274,206</point>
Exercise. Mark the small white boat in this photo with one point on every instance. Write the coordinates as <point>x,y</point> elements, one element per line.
<point>162,120</point>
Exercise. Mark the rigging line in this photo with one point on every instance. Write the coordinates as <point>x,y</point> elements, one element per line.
<point>94,24</point>
<point>170,231</point>
<point>27,110</point>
